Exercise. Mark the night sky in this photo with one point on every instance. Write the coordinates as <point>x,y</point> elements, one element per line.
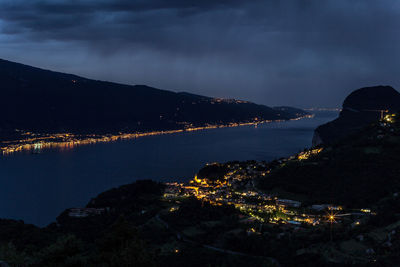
<point>302,53</point>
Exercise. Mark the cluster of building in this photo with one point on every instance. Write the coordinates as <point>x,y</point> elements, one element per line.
<point>237,189</point>
<point>228,100</point>
<point>309,153</point>
<point>85,212</point>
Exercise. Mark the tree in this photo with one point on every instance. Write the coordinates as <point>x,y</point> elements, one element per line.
<point>122,247</point>
<point>67,251</point>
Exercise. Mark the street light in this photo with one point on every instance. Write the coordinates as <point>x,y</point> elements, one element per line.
<point>331,219</point>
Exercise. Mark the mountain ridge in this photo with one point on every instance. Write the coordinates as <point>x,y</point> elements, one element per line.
<point>47,101</point>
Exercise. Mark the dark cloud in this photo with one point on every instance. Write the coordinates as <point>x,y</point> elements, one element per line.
<point>299,52</point>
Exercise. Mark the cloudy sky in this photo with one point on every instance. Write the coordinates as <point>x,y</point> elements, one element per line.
<point>274,52</point>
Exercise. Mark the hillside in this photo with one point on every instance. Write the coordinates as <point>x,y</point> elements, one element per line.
<point>360,108</point>
<point>45,101</point>
<point>357,171</point>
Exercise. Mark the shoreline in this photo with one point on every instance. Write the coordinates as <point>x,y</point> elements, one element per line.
<point>66,141</point>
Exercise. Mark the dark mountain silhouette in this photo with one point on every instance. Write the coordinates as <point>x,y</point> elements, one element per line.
<point>360,108</point>
<point>46,101</point>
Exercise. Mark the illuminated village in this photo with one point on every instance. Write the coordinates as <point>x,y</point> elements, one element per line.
<point>238,188</point>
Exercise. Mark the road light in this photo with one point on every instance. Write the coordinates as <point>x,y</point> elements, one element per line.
<point>331,219</point>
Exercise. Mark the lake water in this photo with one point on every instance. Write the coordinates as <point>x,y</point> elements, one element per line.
<point>37,188</point>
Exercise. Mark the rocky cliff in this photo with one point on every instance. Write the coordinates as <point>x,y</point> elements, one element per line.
<point>360,108</point>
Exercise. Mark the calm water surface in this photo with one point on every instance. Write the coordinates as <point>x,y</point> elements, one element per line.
<point>36,188</point>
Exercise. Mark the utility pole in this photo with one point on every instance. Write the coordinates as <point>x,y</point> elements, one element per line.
<point>382,111</point>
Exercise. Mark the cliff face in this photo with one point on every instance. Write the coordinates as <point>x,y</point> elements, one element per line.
<point>316,139</point>
<point>360,108</point>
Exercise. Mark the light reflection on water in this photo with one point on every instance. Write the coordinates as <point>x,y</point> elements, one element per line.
<point>36,188</point>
